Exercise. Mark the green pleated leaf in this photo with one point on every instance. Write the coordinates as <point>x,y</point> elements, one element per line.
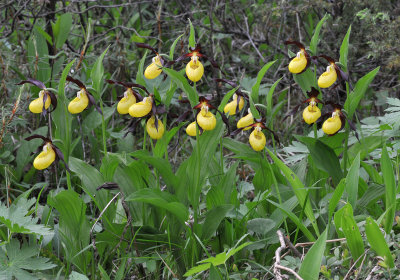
<point>299,223</point>
<point>298,188</point>
<point>183,84</point>
<point>305,80</point>
<point>377,241</point>
<point>352,233</point>
<point>324,157</point>
<point>61,29</point>
<point>226,98</point>
<point>172,49</point>
<point>315,37</point>
<point>98,72</point>
<point>311,265</point>
<point>140,73</point>
<point>352,181</point>
<point>358,93</point>
<point>337,195</point>
<point>163,200</point>
<point>390,189</point>
<point>344,50</point>
<point>269,98</point>
<point>162,165</point>
<point>255,89</point>
<point>213,219</point>
<point>192,39</point>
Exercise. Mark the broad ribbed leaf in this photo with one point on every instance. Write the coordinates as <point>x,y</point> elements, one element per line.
<point>311,265</point>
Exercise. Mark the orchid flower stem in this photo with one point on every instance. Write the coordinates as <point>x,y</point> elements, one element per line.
<point>346,145</point>
<point>271,126</point>
<point>165,125</point>
<point>155,170</point>
<point>199,160</point>
<point>222,156</point>
<point>68,140</point>
<point>346,139</point>
<point>315,130</point>
<point>103,127</point>
<point>144,139</point>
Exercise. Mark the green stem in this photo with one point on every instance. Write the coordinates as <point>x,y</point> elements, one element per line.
<point>194,203</point>
<point>346,145</point>
<point>155,170</point>
<point>103,127</point>
<point>67,140</point>
<point>144,139</point>
<point>346,140</point>
<point>315,131</point>
<point>221,156</point>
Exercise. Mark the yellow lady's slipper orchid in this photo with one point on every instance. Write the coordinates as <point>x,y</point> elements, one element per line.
<point>246,121</point>
<point>191,129</point>
<point>154,69</point>
<point>312,113</point>
<point>79,103</point>
<point>126,102</point>
<point>231,106</point>
<point>194,69</point>
<point>206,119</point>
<point>36,106</point>
<point>154,133</point>
<point>257,139</point>
<point>302,59</point>
<point>45,158</point>
<point>299,63</point>
<point>332,124</point>
<point>328,77</point>
<point>141,108</point>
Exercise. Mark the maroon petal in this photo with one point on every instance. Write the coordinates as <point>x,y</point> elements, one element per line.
<point>60,156</point>
<point>145,46</point>
<point>37,83</point>
<point>76,81</point>
<point>298,44</point>
<point>328,58</point>
<point>37,136</point>
<point>92,101</point>
<point>53,100</point>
